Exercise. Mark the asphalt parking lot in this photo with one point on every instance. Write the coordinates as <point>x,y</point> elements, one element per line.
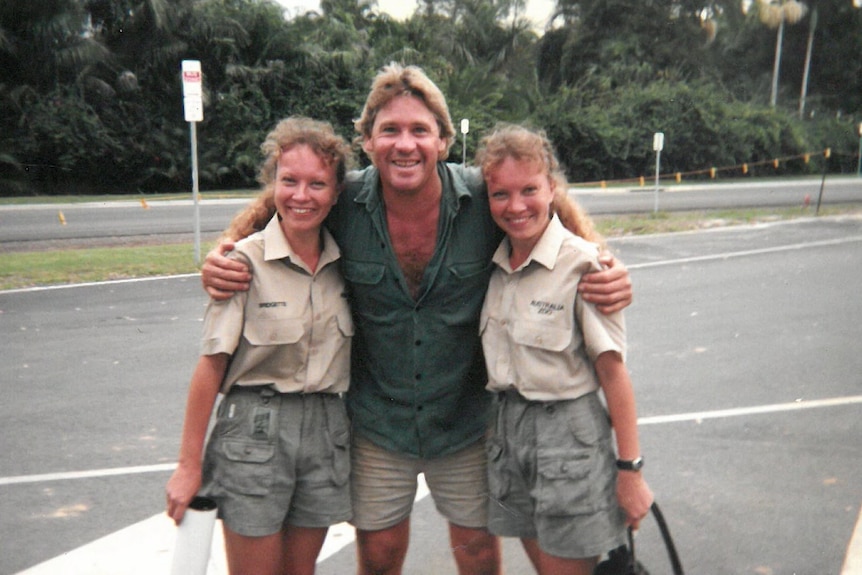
<point>744,348</point>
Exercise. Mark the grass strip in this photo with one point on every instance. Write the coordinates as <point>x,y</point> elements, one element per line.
<point>43,268</point>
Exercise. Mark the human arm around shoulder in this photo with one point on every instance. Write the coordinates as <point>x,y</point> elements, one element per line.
<point>633,493</point>
<point>222,276</point>
<point>611,288</point>
<point>186,479</point>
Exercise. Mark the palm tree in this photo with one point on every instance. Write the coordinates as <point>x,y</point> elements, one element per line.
<point>774,13</point>
<point>44,44</point>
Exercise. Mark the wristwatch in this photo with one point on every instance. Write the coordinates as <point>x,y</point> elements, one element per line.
<point>630,464</point>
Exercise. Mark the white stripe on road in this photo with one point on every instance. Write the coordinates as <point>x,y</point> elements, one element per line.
<point>147,547</point>
<point>651,420</point>
<point>736,412</point>
<point>721,256</point>
<point>101,283</point>
<point>853,557</point>
<point>87,474</point>
<point>728,255</point>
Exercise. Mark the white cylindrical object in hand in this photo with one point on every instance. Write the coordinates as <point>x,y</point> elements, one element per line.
<point>194,538</point>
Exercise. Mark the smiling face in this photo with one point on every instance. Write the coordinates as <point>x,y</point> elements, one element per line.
<point>306,188</point>
<point>520,193</point>
<point>405,145</point>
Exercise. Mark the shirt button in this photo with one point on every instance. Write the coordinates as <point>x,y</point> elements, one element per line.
<point>418,342</point>
<point>418,376</point>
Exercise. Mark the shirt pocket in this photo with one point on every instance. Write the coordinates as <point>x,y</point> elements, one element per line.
<point>273,331</point>
<point>467,270</point>
<point>542,336</point>
<point>365,273</point>
<point>459,291</point>
<point>370,293</point>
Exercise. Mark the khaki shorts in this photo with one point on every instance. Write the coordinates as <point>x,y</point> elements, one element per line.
<point>384,486</point>
<point>278,459</point>
<point>552,475</point>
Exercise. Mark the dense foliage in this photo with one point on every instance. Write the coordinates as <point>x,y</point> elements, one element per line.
<point>91,96</point>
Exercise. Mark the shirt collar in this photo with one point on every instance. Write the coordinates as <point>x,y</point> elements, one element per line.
<point>454,186</point>
<point>544,252</point>
<point>276,246</point>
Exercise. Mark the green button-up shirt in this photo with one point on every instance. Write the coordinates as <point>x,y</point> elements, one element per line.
<point>417,371</point>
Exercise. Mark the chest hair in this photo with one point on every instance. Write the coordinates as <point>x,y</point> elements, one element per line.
<point>414,242</point>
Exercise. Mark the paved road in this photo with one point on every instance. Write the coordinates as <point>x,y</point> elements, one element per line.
<point>94,379</point>
<point>22,225</point>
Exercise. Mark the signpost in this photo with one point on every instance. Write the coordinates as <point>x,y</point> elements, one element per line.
<point>657,145</point>
<point>859,162</point>
<point>465,127</point>
<point>194,113</point>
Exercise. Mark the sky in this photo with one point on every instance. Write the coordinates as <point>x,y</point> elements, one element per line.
<point>537,10</point>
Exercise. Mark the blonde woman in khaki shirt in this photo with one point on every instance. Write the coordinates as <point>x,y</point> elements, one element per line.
<point>277,462</point>
<point>553,480</point>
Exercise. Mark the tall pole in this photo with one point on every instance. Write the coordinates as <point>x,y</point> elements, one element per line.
<point>465,128</point>
<point>773,98</point>
<point>657,145</point>
<point>807,68</point>
<point>859,160</point>
<point>195,191</point>
<point>194,112</point>
<point>464,150</point>
<point>657,163</point>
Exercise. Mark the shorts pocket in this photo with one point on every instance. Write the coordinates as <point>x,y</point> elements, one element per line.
<point>498,475</point>
<point>564,482</point>
<point>340,457</point>
<point>247,470</point>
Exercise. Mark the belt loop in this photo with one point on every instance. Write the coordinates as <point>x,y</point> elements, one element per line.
<point>266,394</point>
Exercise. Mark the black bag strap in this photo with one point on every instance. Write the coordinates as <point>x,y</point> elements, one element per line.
<point>668,541</point>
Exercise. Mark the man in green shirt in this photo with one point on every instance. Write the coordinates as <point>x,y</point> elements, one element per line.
<point>417,238</point>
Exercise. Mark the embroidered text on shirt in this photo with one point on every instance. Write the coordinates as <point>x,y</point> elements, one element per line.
<point>545,307</point>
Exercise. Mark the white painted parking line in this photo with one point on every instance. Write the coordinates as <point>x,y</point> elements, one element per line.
<point>853,557</point>
<point>87,474</point>
<point>147,548</point>
<point>144,548</point>
<point>759,409</point>
<point>744,253</point>
<point>100,283</point>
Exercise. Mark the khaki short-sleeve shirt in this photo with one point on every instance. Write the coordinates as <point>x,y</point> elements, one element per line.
<point>292,328</point>
<point>538,335</point>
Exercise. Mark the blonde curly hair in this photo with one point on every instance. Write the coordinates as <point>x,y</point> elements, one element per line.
<point>522,143</point>
<point>293,131</point>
